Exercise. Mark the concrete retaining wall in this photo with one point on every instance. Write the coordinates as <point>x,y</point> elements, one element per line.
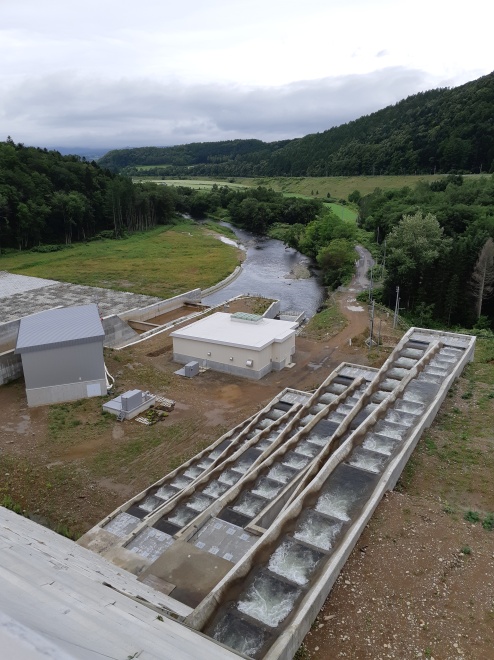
<point>220,285</point>
<point>273,310</point>
<point>161,307</point>
<point>8,334</point>
<point>10,367</point>
<point>117,331</point>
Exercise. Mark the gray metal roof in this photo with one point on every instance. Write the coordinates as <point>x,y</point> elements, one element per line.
<point>60,327</point>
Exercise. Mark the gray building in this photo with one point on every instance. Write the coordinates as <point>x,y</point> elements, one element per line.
<point>62,355</point>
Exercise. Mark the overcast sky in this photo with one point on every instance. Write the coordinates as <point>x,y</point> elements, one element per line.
<point>115,73</point>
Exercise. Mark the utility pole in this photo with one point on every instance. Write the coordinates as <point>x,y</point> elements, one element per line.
<point>397,306</point>
<point>371,324</point>
<point>371,282</point>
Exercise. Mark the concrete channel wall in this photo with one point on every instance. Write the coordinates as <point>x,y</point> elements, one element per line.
<point>8,334</point>
<point>162,307</point>
<point>223,283</point>
<point>10,367</point>
<point>289,638</point>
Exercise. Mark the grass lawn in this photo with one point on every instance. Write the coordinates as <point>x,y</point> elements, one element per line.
<point>326,323</point>
<point>162,262</point>
<point>346,213</point>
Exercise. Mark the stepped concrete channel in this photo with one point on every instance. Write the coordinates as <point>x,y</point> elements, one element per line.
<point>247,538</point>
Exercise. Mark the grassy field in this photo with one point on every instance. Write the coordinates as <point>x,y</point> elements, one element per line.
<point>161,262</point>
<point>338,187</point>
<point>346,213</point>
<point>196,184</point>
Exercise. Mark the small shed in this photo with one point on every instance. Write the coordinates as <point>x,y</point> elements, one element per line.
<point>242,344</point>
<point>62,354</point>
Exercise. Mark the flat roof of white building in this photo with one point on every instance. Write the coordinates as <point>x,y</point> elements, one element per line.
<point>225,329</point>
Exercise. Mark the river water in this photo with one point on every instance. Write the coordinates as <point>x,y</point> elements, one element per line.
<point>268,271</point>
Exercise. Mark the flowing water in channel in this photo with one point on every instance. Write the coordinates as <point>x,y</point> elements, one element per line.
<point>294,562</point>
<point>318,531</point>
<point>268,600</point>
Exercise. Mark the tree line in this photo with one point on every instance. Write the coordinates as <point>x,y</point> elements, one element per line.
<point>47,198</point>
<point>437,246</point>
<point>438,131</point>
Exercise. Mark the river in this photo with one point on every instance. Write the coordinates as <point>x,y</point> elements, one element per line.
<point>268,270</point>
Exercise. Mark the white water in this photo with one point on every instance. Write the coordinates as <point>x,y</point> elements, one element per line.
<point>327,397</point>
<point>296,462</point>
<point>166,492</point>
<point>409,407</point>
<point>229,477</point>
<point>193,472</point>
<point>215,453</point>
<point>150,503</point>
<point>243,640</point>
<point>182,516</point>
<point>293,562</point>
<point>266,489</point>
<point>391,431</point>
<point>205,463</point>
<point>413,396</point>
<point>319,440</point>
<point>215,489</point>
<point>383,444</point>
<point>243,464</point>
<point>335,503</point>
<point>280,473</point>
<point>365,462</point>
<point>181,481</point>
<point>249,505</point>
<point>306,449</point>
<point>199,502</point>
<point>395,417</point>
<point>268,602</point>
<point>318,532</point>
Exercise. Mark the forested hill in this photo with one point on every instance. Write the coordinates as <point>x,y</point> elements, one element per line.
<point>442,131</point>
<point>49,198</point>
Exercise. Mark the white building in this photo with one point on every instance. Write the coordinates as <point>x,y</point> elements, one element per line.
<point>240,344</point>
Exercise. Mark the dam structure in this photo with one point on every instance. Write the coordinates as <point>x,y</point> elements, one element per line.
<point>245,541</point>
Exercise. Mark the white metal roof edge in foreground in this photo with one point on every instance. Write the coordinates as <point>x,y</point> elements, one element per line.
<point>58,604</point>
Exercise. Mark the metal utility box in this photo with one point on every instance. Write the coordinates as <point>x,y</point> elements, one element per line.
<point>131,400</point>
<point>191,369</point>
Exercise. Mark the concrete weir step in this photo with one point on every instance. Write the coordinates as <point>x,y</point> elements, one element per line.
<point>332,510</point>
<point>250,535</point>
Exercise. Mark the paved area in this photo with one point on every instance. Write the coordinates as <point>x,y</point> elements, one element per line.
<point>21,295</point>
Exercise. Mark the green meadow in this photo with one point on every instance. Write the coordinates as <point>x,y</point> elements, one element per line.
<point>162,262</point>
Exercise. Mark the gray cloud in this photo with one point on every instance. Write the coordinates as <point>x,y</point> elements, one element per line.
<point>66,109</point>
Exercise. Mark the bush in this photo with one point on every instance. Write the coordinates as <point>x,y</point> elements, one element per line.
<point>488,522</point>
<point>49,248</point>
<point>472,516</point>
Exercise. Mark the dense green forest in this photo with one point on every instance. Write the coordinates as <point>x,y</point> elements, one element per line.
<point>47,200</point>
<point>432,238</point>
<point>439,131</point>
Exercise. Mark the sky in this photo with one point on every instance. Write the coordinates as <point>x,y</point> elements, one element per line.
<point>111,74</point>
